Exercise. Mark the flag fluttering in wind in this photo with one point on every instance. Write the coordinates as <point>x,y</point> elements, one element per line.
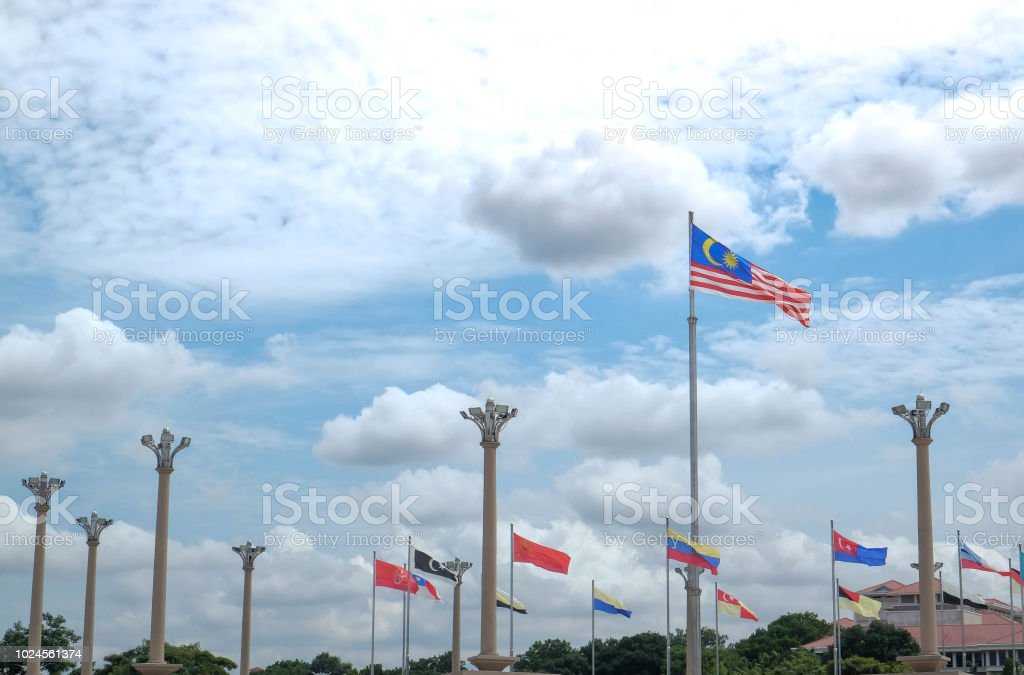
<point>858,603</point>
<point>552,560</point>
<point>393,576</point>
<point>847,550</point>
<point>425,563</point>
<point>606,603</point>
<point>504,602</point>
<point>969,560</point>
<point>685,551</point>
<point>731,605</point>
<point>715,269</point>
<point>423,583</point>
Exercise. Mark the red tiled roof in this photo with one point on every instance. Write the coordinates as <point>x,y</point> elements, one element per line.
<point>827,640</point>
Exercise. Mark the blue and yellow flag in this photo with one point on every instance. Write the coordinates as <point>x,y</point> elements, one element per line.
<point>606,603</point>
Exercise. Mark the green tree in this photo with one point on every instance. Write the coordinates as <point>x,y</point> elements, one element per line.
<point>865,665</point>
<point>432,665</point>
<point>554,656</point>
<point>193,659</point>
<point>880,640</point>
<point>289,667</point>
<point>56,633</point>
<point>1010,668</point>
<point>327,663</point>
<point>796,662</point>
<point>778,639</point>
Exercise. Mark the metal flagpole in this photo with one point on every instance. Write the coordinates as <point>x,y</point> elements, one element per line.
<point>405,609</point>
<point>1013,624</point>
<point>408,614</point>
<point>1021,559</point>
<point>668,612</point>
<point>960,573</point>
<point>718,639</point>
<point>511,591</point>
<point>592,661</point>
<point>693,661</point>
<point>373,618</point>
<point>835,602</point>
<point>839,633</point>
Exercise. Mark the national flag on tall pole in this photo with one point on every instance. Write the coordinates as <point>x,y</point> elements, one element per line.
<point>691,553</point>
<point>970,560</point>
<point>858,603</point>
<point>731,605</point>
<point>847,550</point>
<point>606,603</point>
<point>506,601</point>
<point>716,269</point>
<point>423,583</point>
<point>426,563</point>
<point>526,551</point>
<point>393,576</point>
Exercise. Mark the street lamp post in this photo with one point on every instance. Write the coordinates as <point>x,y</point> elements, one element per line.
<point>164,467</point>
<point>942,606</point>
<point>490,420</point>
<point>248,554</point>
<point>92,526</point>
<point>42,488</point>
<point>458,568</point>
<point>929,660</point>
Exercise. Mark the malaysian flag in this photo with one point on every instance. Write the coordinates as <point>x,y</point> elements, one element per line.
<point>715,269</point>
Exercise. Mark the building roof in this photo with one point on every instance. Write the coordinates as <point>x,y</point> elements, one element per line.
<point>995,628</point>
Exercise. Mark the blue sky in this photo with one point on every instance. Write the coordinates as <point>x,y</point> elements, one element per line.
<point>861,171</point>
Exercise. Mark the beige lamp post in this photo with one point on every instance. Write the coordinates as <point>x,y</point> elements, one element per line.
<point>458,568</point>
<point>92,526</point>
<point>248,554</point>
<point>43,488</point>
<point>929,660</point>
<point>490,420</point>
<point>164,467</point>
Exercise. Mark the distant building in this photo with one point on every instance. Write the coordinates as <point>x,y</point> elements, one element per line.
<point>988,631</point>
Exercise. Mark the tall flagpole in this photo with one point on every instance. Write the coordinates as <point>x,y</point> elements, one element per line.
<point>1013,623</point>
<point>511,591</point>
<point>839,633</point>
<point>718,639</point>
<point>373,618</point>
<point>408,614</point>
<point>835,600</point>
<point>592,661</point>
<point>960,573</point>
<point>1021,586</point>
<point>693,651</point>
<point>405,615</point>
<point>668,606</point>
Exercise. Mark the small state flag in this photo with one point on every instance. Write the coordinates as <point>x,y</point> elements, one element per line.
<point>715,269</point>
<point>683,550</point>
<point>847,550</point>
<point>393,576</point>
<point>606,603</point>
<point>969,560</point>
<point>504,603</point>
<point>423,583</point>
<point>524,550</point>
<point>731,605</point>
<point>858,603</point>
<point>425,563</point>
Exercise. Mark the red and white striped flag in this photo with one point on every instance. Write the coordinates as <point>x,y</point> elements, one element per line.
<point>715,269</point>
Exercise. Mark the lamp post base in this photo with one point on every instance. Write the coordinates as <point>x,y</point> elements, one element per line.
<point>492,663</point>
<point>157,668</point>
<point>924,663</point>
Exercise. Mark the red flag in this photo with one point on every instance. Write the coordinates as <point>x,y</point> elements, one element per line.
<point>393,576</point>
<point>524,550</point>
